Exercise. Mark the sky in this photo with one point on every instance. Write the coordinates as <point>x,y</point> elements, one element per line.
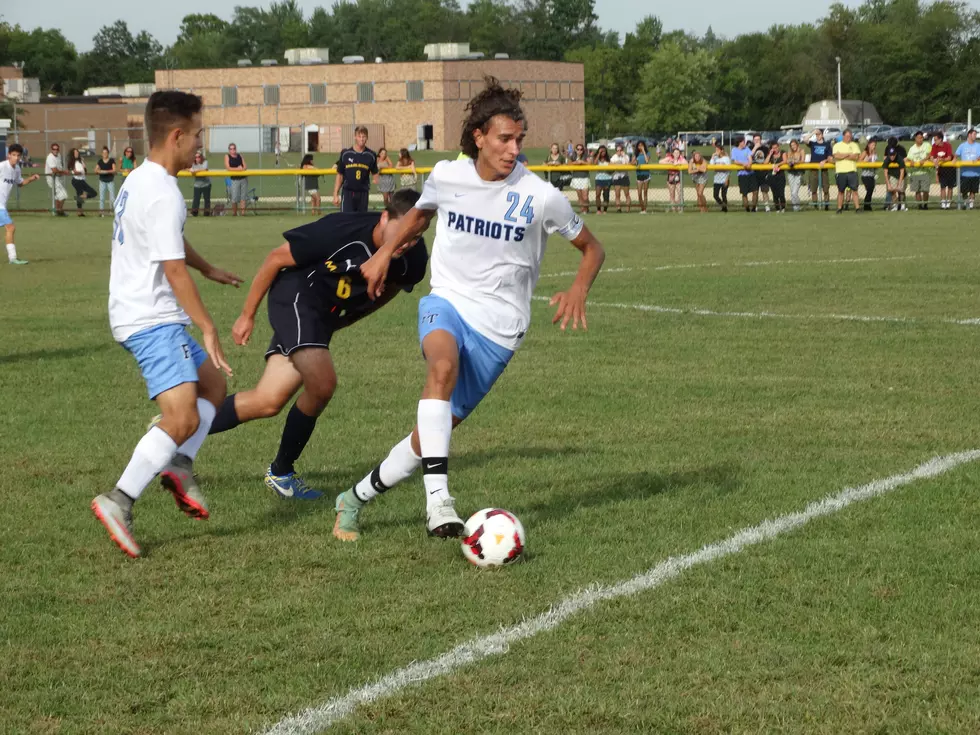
<point>80,23</point>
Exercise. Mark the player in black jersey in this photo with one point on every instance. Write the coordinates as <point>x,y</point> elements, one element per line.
<point>315,287</point>
<point>354,170</point>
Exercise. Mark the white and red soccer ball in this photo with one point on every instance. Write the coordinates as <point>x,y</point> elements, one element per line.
<point>493,537</point>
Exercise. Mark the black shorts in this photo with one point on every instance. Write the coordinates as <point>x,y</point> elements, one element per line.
<point>353,201</point>
<point>847,181</point>
<point>748,184</point>
<point>298,320</point>
<point>969,184</point>
<point>762,179</point>
<point>947,178</point>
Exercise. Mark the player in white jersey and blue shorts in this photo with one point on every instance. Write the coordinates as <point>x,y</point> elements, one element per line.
<point>10,176</point>
<point>152,300</point>
<point>495,217</point>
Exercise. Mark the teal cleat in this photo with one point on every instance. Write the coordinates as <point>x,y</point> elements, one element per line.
<point>348,506</point>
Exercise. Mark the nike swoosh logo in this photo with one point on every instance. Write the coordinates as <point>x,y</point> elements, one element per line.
<point>430,466</point>
<point>459,195</point>
<point>433,492</point>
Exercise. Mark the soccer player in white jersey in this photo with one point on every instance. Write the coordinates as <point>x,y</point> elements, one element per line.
<point>152,299</point>
<point>10,176</point>
<point>494,219</point>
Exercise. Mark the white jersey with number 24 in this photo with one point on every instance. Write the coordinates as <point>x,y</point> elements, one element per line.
<point>490,239</point>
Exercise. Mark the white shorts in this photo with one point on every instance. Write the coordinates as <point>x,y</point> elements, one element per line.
<point>60,194</point>
<point>580,183</point>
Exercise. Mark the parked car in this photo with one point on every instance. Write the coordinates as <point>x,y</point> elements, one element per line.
<point>790,135</point>
<point>877,132</point>
<point>903,132</point>
<point>955,131</point>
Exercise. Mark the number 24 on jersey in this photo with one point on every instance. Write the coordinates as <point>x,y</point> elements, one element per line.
<point>527,211</point>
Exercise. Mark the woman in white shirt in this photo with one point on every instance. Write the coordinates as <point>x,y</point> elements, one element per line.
<point>83,190</point>
<point>621,179</point>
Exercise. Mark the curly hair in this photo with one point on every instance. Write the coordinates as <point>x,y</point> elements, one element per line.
<point>492,101</point>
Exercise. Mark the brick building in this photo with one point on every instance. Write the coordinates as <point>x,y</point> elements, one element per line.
<point>400,103</point>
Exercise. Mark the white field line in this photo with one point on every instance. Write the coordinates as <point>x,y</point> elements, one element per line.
<point>697,311</point>
<point>748,264</point>
<point>323,716</point>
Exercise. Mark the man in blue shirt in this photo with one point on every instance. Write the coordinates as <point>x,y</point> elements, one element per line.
<point>821,151</point>
<point>747,181</point>
<point>969,175</point>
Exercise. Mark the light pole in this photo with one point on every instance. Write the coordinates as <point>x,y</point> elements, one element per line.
<point>840,111</point>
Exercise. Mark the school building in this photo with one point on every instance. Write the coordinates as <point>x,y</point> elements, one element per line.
<point>310,108</point>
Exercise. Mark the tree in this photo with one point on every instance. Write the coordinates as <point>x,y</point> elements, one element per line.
<point>118,57</point>
<point>46,54</point>
<point>491,27</point>
<point>674,90</point>
<point>551,27</point>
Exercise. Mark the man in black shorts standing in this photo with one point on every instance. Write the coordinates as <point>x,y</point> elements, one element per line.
<point>315,287</point>
<point>354,167</point>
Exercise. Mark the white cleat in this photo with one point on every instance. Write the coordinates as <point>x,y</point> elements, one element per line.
<point>118,522</point>
<point>442,520</point>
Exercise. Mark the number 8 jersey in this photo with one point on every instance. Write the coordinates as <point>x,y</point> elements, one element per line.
<point>490,239</point>
<point>147,231</point>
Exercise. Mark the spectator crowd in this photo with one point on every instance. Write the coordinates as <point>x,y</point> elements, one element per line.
<point>763,170</point>
<point>769,176</point>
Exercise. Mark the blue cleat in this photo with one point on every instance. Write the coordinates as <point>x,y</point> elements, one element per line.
<point>290,486</point>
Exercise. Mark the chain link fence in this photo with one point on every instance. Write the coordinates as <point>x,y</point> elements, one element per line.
<point>668,189</point>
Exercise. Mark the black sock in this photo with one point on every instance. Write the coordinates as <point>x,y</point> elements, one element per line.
<point>226,418</point>
<point>297,432</point>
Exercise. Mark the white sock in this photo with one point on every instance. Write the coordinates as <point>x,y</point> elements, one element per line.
<point>11,251</point>
<point>151,455</point>
<point>206,411</point>
<point>435,428</point>
<point>399,465</point>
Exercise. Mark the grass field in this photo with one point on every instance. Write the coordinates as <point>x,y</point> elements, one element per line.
<point>652,434</point>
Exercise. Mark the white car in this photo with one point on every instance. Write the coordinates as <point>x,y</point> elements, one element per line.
<point>955,131</point>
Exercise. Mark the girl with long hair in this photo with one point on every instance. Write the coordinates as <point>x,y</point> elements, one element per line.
<point>580,179</point>
<point>676,158</point>
<point>794,156</point>
<point>698,169</point>
<point>869,176</point>
<point>311,184</point>
<point>642,158</point>
<point>603,180</point>
<point>386,182</point>
<point>83,190</point>
<point>410,179</point>
<point>777,177</point>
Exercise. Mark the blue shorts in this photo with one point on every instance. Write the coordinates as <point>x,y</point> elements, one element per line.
<point>167,355</point>
<point>5,217</point>
<point>481,361</point>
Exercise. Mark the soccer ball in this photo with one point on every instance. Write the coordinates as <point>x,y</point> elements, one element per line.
<point>493,537</point>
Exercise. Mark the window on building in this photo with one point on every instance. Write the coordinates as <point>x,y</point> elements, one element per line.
<point>365,91</point>
<point>229,96</point>
<point>271,94</point>
<point>414,91</point>
<point>318,94</point>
